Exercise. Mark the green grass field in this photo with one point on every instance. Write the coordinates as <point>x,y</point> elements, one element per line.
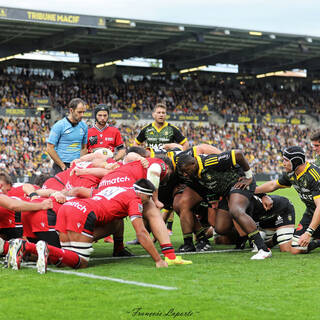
<point>219,285</point>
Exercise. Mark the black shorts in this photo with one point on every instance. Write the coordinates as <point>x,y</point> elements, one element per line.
<point>304,224</point>
<point>285,218</point>
<point>11,233</point>
<point>248,192</point>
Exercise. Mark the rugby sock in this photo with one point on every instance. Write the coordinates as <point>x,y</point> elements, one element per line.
<point>5,248</point>
<point>274,240</point>
<point>30,248</point>
<point>188,239</point>
<point>241,242</point>
<point>313,244</point>
<point>256,238</point>
<point>118,244</point>
<point>59,256</point>
<point>201,234</point>
<point>169,225</point>
<point>168,251</point>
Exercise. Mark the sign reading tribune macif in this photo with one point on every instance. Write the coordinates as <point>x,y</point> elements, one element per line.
<point>52,17</point>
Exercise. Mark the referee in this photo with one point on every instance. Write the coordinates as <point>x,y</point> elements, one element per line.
<point>68,137</point>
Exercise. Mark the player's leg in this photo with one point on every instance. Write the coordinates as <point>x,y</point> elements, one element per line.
<point>159,230</point>
<point>238,203</point>
<point>183,204</point>
<point>115,228</point>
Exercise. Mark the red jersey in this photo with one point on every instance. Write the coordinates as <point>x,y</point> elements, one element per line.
<point>41,220</point>
<point>65,180</point>
<point>10,218</point>
<point>81,215</point>
<point>17,190</point>
<point>128,174</point>
<point>108,137</point>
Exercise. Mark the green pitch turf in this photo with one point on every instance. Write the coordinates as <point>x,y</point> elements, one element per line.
<point>219,285</point>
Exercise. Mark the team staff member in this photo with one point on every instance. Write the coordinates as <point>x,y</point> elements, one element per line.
<point>160,132</point>
<point>102,135</point>
<point>68,137</point>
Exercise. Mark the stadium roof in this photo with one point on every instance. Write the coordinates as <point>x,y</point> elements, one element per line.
<point>99,40</point>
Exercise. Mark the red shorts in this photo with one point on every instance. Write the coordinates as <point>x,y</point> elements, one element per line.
<point>38,221</point>
<point>74,216</point>
<point>7,219</point>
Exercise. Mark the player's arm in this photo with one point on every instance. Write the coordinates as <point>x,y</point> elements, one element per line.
<point>54,156</point>
<point>238,157</point>
<point>119,147</point>
<point>153,174</point>
<point>270,186</point>
<point>185,145</point>
<point>20,205</point>
<point>84,150</point>
<point>180,138</point>
<point>120,154</point>
<point>91,157</point>
<point>140,138</point>
<point>78,192</point>
<point>97,172</point>
<point>146,242</point>
<point>170,146</point>
<point>205,148</point>
<point>315,222</point>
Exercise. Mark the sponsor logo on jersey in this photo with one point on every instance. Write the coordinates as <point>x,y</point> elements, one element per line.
<point>279,220</point>
<point>68,186</point>
<point>77,205</point>
<point>114,181</point>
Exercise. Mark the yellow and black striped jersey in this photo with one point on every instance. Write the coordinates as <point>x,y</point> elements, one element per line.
<point>156,137</point>
<point>307,184</point>
<point>218,172</point>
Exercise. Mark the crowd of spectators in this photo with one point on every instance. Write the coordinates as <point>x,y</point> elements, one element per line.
<point>23,140</point>
<point>192,95</point>
<point>23,143</point>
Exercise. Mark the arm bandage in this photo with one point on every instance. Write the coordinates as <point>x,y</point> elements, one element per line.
<point>153,174</point>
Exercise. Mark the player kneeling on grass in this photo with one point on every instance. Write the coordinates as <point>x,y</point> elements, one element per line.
<point>304,177</point>
<point>76,222</point>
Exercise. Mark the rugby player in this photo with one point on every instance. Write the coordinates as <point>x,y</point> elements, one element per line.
<point>227,175</point>
<point>315,141</point>
<point>76,224</point>
<point>102,135</point>
<point>160,132</point>
<point>304,177</point>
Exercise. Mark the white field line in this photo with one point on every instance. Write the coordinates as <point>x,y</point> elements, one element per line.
<point>177,253</point>
<point>141,284</point>
<point>94,276</point>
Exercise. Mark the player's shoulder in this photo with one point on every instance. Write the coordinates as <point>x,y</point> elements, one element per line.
<point>83,125</point>
<point>173,126</point>
<point>147,126</point>
<point>314,171</point>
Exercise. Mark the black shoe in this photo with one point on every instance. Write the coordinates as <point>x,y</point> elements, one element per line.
<point>203,245</point>
<point>123,253</point>
<point>187,248</point>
